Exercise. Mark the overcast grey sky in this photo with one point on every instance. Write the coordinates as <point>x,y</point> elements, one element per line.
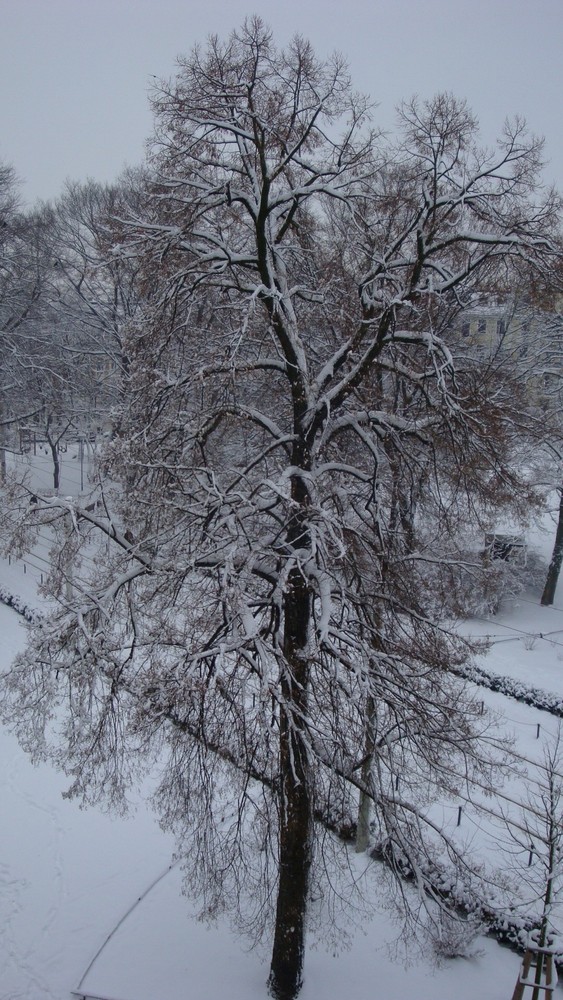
<point>74,74</point>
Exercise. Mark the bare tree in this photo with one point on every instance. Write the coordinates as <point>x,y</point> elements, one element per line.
<point>94,291</point>
<point>536,847</point>
<point>70,298</point>
<point>272,623</point>
<point>533,350</point>
<point>548,356</point>
<point>22,282</point>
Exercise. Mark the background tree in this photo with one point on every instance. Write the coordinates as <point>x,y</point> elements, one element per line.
<point>554,568</point>
<point>535,846</point>
<point>95,290</point>
<point>546,366</point>
<point>22,282</point>
<point>70,300</point>
<point>272,623</point>
<point>529,356</point>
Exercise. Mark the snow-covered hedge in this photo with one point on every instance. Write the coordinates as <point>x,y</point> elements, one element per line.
<point>507,924</point>
<point>19,606</point>
<point>537,697</point>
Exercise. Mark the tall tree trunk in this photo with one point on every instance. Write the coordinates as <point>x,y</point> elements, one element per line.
<point>3,465</point>
<point>54,448</point>
<point>364,808</point>
<point>56,466</point>
<point>295,806</point>
<point>548,596</point>
<point>363,831</point>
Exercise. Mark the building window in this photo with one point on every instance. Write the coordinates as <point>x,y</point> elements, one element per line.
<point>465,327</point>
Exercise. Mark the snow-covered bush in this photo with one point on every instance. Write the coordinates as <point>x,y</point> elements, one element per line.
<point>488,583</point>
<point>454,936</point>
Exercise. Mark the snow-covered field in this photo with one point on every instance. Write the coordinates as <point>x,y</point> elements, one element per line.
<point>92,902</point>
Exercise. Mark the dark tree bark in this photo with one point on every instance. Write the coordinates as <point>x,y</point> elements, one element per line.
<point>286,970</point>
<point>295,804</point>
<point>53,443</point>
<point>548,596</point>
<point>56,465</point>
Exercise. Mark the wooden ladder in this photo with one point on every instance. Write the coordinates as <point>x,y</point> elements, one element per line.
<point>537,973</point>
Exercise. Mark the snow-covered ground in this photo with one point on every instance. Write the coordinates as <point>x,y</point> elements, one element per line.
<point>92,902</point>
<point>68,876</point>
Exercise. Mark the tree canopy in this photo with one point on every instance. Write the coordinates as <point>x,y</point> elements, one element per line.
<point>300,446</point>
